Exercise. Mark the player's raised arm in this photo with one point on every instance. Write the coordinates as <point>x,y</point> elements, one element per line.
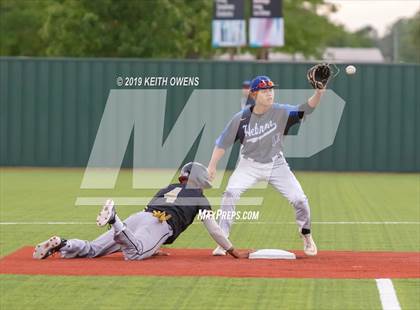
<point>297,114</point>
<point>217,234</point>
<point>316,98</point>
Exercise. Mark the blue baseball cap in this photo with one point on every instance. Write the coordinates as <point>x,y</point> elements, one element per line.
<point>261,82</point>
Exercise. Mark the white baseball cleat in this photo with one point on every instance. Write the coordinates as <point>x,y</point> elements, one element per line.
<point>309,246</point>
<point>219,251</point>
<point>48,247</point>
<point>107,214</point>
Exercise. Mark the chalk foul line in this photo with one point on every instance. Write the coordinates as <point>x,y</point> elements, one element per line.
<point>387,294</point>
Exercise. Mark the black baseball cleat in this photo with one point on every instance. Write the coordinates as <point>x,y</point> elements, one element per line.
<point>107,214</point>
<point>48,247</point>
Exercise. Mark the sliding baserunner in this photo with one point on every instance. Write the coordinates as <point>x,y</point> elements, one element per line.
<point>141,235</point>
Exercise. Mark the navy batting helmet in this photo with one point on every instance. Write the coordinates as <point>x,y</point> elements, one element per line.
<point>196,174</point>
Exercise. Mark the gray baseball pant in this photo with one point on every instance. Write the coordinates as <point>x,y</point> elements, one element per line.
<point>142,236</point>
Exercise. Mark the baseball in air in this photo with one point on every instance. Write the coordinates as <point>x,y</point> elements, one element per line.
<point>350,70</point>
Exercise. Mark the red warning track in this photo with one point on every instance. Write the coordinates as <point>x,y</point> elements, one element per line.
<point>199,262</point>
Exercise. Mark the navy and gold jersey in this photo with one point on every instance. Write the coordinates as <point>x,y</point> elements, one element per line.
<point>181,203</point>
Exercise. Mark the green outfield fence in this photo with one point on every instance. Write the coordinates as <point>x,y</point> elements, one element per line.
<point>51,108</point>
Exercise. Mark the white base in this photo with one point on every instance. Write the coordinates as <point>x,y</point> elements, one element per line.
<point>272,254</point>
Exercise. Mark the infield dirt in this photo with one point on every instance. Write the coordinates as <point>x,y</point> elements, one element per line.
<point>200,262</point>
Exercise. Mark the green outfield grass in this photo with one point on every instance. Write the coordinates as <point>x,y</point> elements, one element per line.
<point>30,196</point>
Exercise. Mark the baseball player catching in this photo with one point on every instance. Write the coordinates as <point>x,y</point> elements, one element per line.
<point>261,129</point>
<point>141,235</point>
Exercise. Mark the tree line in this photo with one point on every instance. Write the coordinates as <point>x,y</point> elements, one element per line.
<point>151,28</point>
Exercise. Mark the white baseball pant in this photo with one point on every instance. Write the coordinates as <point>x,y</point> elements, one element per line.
<point>248,172</point>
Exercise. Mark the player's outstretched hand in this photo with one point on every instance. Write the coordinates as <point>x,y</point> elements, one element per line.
<point>321,91</point>
<point>239,254</point>
<point>161,253</point>
<point>243,254</point>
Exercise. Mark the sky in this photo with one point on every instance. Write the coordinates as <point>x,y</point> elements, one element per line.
<point>354,14</point>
